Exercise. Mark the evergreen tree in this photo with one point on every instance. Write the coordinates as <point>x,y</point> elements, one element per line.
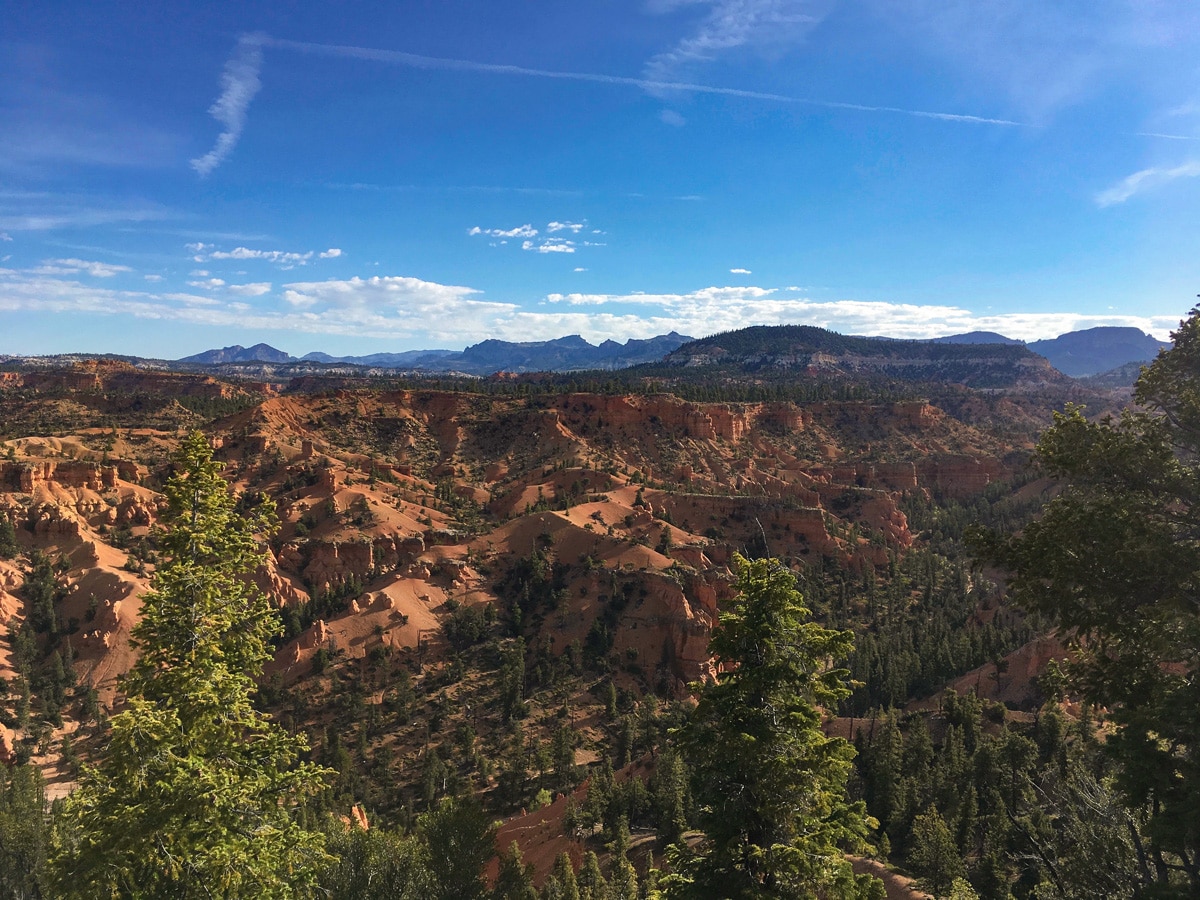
<point>461,839</point>
<point>22,832</point>
<point>623,883</point>
<point>1114,564</point>
<point>8,538</point>
<point>564,873</point>
<point>376,864</point>
<point>514,880</point>
<point>768,784</point>
<point>934,854</point>
<point>591,881</point>
<point>196,793</point>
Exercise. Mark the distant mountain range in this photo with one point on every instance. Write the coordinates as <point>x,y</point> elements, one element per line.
<point>1078,353</point>
<point>565,354</point>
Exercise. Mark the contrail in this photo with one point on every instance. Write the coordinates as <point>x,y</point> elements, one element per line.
<point>240,82</point>
<point>417,61</point>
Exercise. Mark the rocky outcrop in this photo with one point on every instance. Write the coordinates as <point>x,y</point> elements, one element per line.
<point>24,477</point>
<point>672,626</point>
<point>52,520</point>
<point>326,564</point>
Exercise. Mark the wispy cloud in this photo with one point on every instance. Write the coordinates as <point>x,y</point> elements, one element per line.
<point>573,227</point>
<point>79,266</point>
<point>208,284</point>
<point>1167,137</point>
<point>4,236</point>
<point>550,245</point>
<point>520,231</point>
<point>740,272</point>
<point>239,83</point>
<point>22,210</point>
<point>255,289</point>
<point>202,252</point>
<point>1146,179</point>
<point>737,25</point>
<point>417,61</point>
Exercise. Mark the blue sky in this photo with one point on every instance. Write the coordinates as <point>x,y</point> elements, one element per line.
<point>358,177</point>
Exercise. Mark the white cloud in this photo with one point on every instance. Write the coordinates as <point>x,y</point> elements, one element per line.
<point>550,245</point>
<point>521,231</point>
<point>208,285</point>
<point>672,118</point>
<point>239,84</point>
<point>199,273</point>
<point>155,278</point>
<point>4,236</point>
<point>755,25</point>
<point>579,269</point>
<point>573,227</point>
<point>284,258</point>
<point>715,309</point>
<point>255,289</point>
<point>331,253</point>
<point>740,272</point>
<point>78,266</point>
<point>1145,180</point>
<point>431,314</point>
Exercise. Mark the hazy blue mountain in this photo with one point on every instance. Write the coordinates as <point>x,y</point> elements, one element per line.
<point>1096,350</point>
<point>238,353</point>
<point>565,354</point>
<point>405,360</point>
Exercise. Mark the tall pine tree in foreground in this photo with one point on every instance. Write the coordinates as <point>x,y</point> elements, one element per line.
<point>1114,564</point>
<point>196,793</point>
<point>769,785</point>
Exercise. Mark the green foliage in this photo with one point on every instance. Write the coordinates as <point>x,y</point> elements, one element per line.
<point>196,793</point>
<point>23,836</point>
<point>768,784</point>
<point>514,879</point>
<point>1114,563</point>
<point>461,839</point>
<point>376,864</point>
<point>8,538</point>
<point>934,854</point>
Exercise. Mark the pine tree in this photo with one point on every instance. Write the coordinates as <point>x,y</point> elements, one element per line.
<point>934,853</point>
<point>514,880</point>
<point>623,882</point>
<point>196,793</point>
<point>592,885</point>
<point>1112,563</point>
<point>564,875</point>
<point>8,539</point>
<point>768,784</point>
